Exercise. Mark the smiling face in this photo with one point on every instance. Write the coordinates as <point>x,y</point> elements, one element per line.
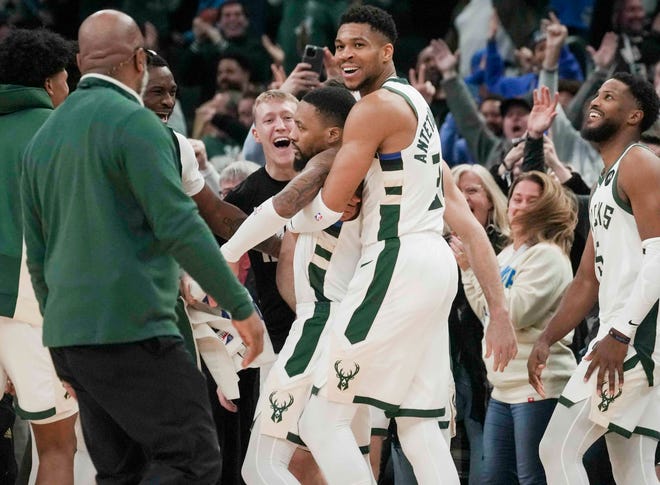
<point>471,186</point>
<point>160,94</point>
<point>608,111</point>
<point>273,121</point>
<point>233,22</point>
<point>363,55</point>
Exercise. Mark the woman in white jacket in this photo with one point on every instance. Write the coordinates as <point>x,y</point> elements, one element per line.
<point>535,271</point>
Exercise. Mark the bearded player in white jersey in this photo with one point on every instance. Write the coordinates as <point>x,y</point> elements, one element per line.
<point>322,266</point>
<point>615,389</point>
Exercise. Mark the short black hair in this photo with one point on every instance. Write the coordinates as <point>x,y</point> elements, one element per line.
<point>156,60</point>
<point>238,57</point>
<point>226,3</point>
<point>377,18</point>
<point>333,103</point>
<point>29,57</point>
<point>645,96</point>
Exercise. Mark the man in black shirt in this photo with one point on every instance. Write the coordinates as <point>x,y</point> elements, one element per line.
<point>273,120</point>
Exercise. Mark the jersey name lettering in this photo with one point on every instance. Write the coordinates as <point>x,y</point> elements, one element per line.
<point>425,137</point>
<point>601,215</point>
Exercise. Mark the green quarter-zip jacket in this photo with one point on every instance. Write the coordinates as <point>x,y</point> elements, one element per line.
<point>22,112</point>
<point>105,219</point>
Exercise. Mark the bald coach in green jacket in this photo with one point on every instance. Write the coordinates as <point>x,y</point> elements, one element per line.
<point>106,222</point>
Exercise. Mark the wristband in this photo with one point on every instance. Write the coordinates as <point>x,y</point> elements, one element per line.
<point>618,338</point>
<point>315,216</point>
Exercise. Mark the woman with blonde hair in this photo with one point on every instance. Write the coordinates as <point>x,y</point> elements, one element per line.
<point>488,204</point>
<point>535,270</point>
<point>474,180</point>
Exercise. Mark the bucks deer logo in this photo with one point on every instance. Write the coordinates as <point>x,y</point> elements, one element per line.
<point>277,407</point>
<point>605,399</point>
<point>345,377</point>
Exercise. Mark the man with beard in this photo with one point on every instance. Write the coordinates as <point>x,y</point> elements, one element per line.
<point>619,270</point>
<point>233,74</point>
<point>323,264</point>
<point>105,218</point>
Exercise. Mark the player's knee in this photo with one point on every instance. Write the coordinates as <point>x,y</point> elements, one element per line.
<point>249,472</point>
<point>55,440</point>
<point>261,472</point>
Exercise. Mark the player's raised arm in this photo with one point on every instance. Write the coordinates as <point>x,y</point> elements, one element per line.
<point>500,335</point>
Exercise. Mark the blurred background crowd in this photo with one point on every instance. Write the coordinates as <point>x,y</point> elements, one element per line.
<point>224,53</point>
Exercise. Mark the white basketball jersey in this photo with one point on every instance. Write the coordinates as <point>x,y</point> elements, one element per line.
<point>403,190</point>
<point>617,245</point>
<point>324,262</point>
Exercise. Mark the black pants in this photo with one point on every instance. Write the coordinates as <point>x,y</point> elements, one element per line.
<point>144,411</point>
<point>234,428</point>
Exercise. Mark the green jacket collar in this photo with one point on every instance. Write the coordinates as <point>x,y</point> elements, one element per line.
<point>15,98</point>
<point>94,80</point>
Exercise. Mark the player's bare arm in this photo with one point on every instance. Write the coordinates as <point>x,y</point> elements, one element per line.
<point>500,335</point>
<point>579,298</point>
<point>224,219</point>
<point>638,182</point>
<point>303,188</point>
<point>379,122</point>
<point>284,275</point>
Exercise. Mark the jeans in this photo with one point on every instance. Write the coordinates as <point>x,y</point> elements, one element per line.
<point>512,433</point>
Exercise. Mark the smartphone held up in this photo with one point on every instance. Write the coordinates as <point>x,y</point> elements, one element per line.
<point>313,55</point>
